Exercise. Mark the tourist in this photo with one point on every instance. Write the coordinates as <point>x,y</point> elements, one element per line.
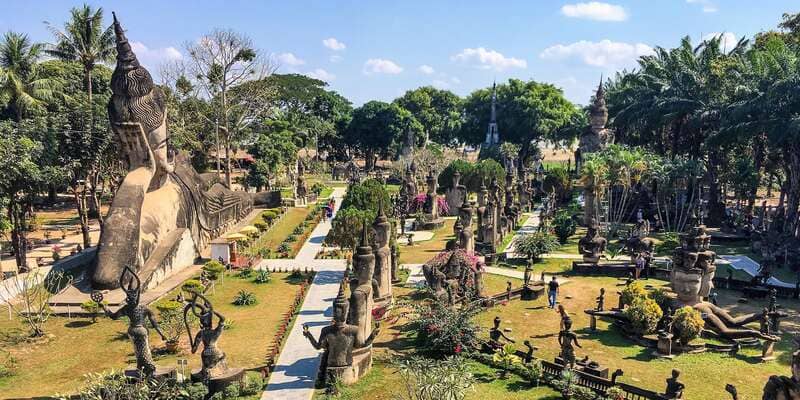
<point>640,264</point>
<point>552,292</point>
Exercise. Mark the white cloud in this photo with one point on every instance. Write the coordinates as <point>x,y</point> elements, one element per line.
<point>153,57</point>
<point>321,74</point>
<point>595,10</point>
<point>604,53</point>
<point>707,6</point>
<point>335,58</point>
<point>488,59</point>
<point>333,44</point>
<point>727,41</point>
<point>290,59</point>
<point>440,84</point>
<point>381,66</point>
<point>426,69</point>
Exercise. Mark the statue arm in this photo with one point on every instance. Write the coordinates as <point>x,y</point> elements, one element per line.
<point>221,322</point>
<point>154,323</point>
<point>575,340</point>
<point>314,342</point>
<point>116,314</point>
<point>506,337</point>
<point>195,343</point>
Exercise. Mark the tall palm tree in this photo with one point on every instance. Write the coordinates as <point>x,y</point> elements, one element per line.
<point>84,40</point>
<point>21,87</point>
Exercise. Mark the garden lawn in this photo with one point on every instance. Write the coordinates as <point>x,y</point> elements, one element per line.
<point>421,252</point>
<point>75,347</point>
<point>705,374</point>
<point>282,229</point>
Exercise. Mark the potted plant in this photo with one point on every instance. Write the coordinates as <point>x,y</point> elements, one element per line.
<point>171,323</point>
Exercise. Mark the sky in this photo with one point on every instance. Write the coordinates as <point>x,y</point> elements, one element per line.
<point>376,50</point>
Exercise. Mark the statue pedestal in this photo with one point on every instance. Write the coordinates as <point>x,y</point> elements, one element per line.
<point>162,373</point>
<point>218,382</point>
<point>362,362</point>
<point>665,345</point>
<point>768,351</point>
<point>591,259</point>
<point>592,322</point>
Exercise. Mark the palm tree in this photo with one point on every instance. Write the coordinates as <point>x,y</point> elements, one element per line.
<point>21,87</point>
<point>85,41</point>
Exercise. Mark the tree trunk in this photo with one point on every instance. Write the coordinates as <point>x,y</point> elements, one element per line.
<point>758,160</point>
<point>369,160</point>
<point>83,217</point>
<point>793,193</point>
<point>16,215</point>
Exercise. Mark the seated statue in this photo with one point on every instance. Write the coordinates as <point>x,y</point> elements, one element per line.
<point>163,209</point>
<point>675,388</point>
<point>454,274</point>
<point>592,245</point>
<point>338,341</point>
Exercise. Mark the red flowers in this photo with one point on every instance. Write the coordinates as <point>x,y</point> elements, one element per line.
<point>457,350</point>
<point>378,313</point>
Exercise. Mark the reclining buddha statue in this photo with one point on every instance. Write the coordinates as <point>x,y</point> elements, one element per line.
<point>164,212</point>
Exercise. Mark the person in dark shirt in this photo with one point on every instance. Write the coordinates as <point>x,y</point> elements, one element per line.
<point>552,292</point>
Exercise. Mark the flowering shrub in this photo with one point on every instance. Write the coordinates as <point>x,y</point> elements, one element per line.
<point>688,324</point>
<point>644,314</point>
<point>418,203</point>
<point>445,330</point>
<point>631,292</point>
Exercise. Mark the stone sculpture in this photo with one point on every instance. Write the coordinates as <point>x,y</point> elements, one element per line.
<point>383,261</point>
<point>691,280</point>
<point>163,212</point>
<point>361,298</point>
<point>138,316</point>
<point>496,335</point>
<point>456,195</point>
<point>338,340</point>
<point>784,387</point>
<point>675,388</point>
<point>482,197</point>
<point>453,275</point>
<point>592,245</point>
<point>301,190</point>
<point>566,339</point>
<point>465,238</point>
<point>214,370</point>
<point>597,136</point>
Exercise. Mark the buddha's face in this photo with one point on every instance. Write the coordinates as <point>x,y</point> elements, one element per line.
<point>687,286</point>
<point>340,312</point>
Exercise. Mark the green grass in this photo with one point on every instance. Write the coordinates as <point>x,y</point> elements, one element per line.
<point>282,229</point>
<point>421,252</point>
<point>76,347</point>
<point>510,237</point>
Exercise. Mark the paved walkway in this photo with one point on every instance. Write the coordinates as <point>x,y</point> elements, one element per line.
<point>296,369</point>
<point>527,228</point>
<point>416,278</point>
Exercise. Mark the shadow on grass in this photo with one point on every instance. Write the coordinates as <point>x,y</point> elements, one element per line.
<point>78,324</point>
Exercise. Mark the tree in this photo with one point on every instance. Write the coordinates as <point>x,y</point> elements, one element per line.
<point>275,148</point>
<point>22,174</point>
<point>222,60</point>
<point>376,128</point>
<point>533,245</point>
<point>437,110</point>
<point>22,89</point>
<point>28,296</point>
<point>527,112</point>
<point>432,379</point>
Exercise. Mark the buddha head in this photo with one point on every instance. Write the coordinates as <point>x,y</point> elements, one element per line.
<point>686,283</point>
<point>340,307</point>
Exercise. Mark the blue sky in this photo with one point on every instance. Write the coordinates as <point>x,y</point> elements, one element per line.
<point>378,49</point>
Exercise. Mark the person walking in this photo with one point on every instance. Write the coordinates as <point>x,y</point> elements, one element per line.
<point>552,292</point>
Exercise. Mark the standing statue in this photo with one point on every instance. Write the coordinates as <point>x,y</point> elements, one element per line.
<point>566,339</point>
<point>361,299</point>
<point>526,277</point>
<point>383,257</point>
<point>213,359</point>
<point>592,245</point>
<point>137,315</point>
<point>301,190</point>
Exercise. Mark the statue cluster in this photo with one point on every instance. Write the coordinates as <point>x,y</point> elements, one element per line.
<point>692,280</point>
<point>499,210</point>
<point>214,371</point>
<point>454,275</point>
<point>348,341</point>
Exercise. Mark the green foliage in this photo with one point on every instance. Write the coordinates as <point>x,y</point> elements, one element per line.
<point>114,385</point>
<point>231,391</point>
<point>557,180</point>
<point>687,323</point>
<point>91,307</point>
<point>506,358</point>
<point>195,391</point>
<point>170,318</point>
<point>465,168</point>
<point>252,384</point>
<point>632,291</point>
<point>262,276</point>
<point>213,269</point>
<point>8,366</point>
<point>193,286</point>
<point>444,330</point>
<point>262,226</point>
<point>246,272</point>
<point>298,230</point>
<point>377,128</point>
<point>275,148</point>
<point>564,226</point>
<point>367,195</point>
<point>661,297</point>
<point>269,216</point>
<point>535,244</point>
<point>432,379</point>
<point>644,314</point>
<point>437,111</point>
<point>283,247</point>
<point>668,244</point>
<point>245,298</point>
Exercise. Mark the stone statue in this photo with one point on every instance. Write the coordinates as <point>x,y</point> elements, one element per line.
<point>456,195</point>
<point>163,211</point>
<point>601,300</point>
<point>496,334</point>
<point>138,315</point>
<point>526,277</point>
<point>483,194</point>
<point>301,190</point>
<point>213,360</point>
<point>592,245</point>
<point>784,387</point>
<point>455,272</point>
<point>597,136</point>
<point>675,387</point>
<point>383,261</point>
<point>691,280</point>
<point>338,341</point>
<point>566,339</point>
<point>465,237</point>
<point>361,299</point>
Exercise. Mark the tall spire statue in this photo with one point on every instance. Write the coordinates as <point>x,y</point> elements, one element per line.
<point>492,135</point>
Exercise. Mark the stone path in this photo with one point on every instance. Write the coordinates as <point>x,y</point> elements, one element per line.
<point>527,228</point>
<point>513,273</point>
<point>415,277</point>
<point>296,368</point>
<point>750,266</point>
